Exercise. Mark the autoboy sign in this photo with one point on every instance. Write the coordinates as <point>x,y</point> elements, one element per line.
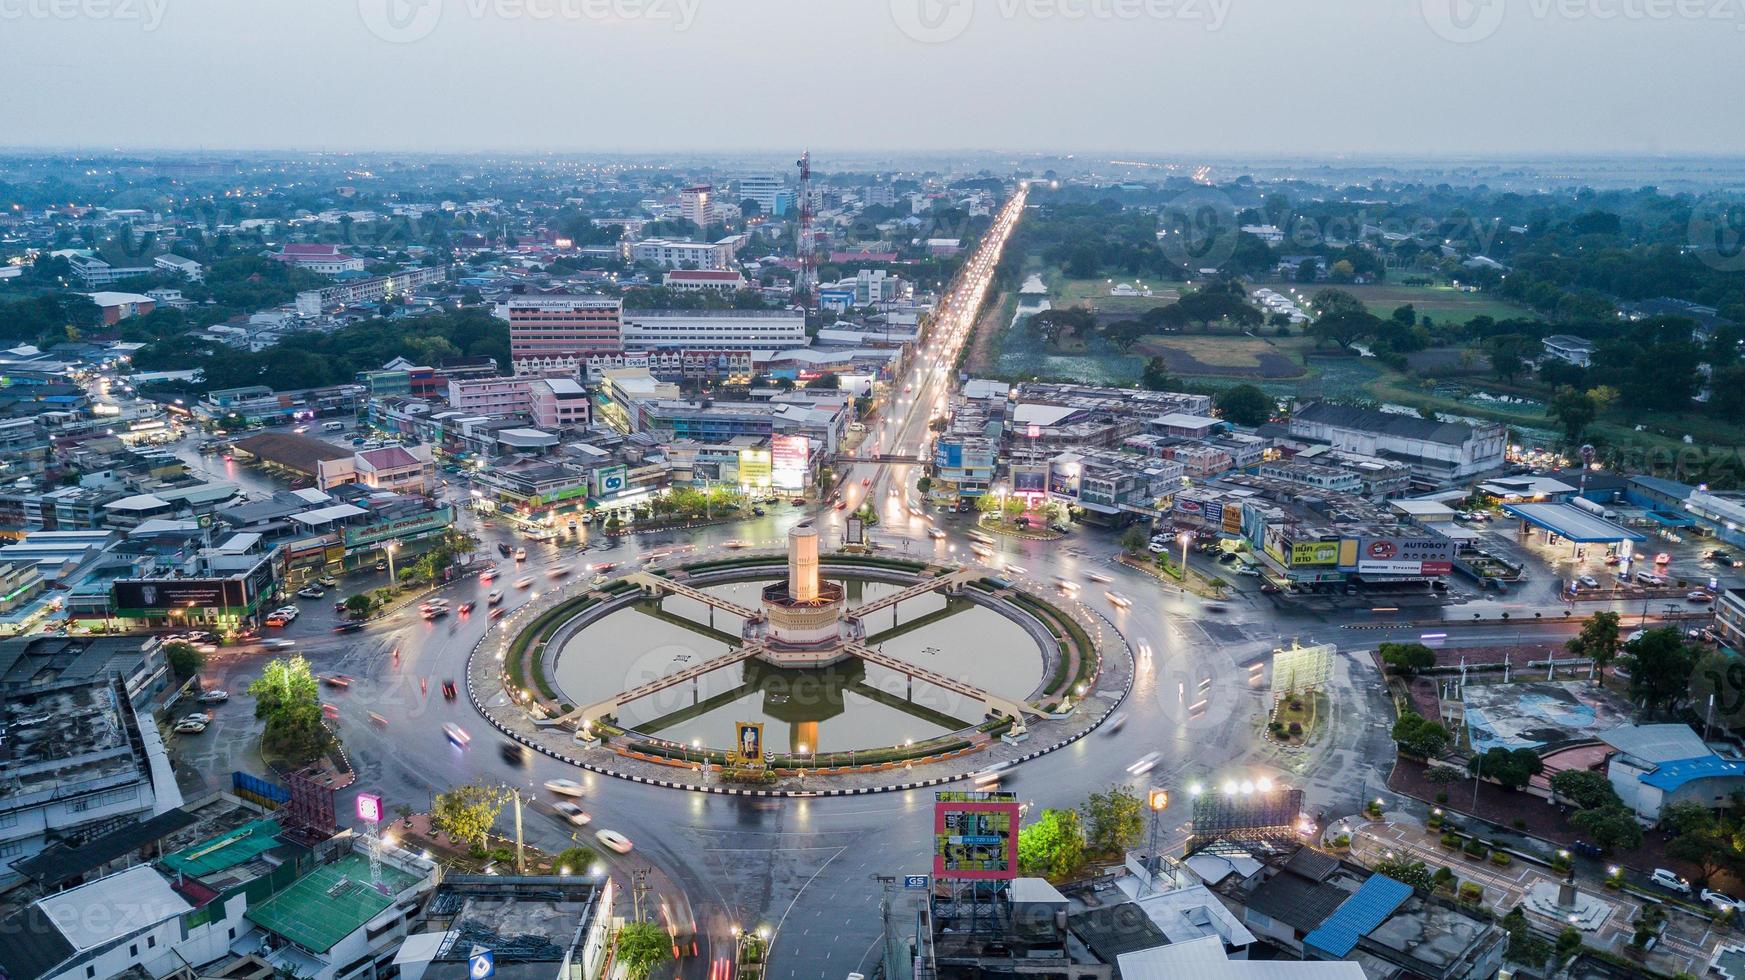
<point>1405,556</point>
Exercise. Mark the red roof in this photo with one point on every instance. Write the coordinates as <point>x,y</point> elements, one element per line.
<point>388,458</point>
<point>310,249</point>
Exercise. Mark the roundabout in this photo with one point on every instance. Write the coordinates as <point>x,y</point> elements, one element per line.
<point>856,673</point>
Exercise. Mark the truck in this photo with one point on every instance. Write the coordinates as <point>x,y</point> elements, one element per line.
<point>1598,510</point>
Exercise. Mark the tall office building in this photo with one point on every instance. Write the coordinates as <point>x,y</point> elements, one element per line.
<point>554,334</point>
<point>698,205</point>
<point>768,191</point>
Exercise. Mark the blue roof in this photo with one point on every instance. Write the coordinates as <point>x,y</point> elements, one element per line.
<point>1376,899</point>
<point>1670,520</point>
<point>1668,488</point>
<point>1572,523</point>
<point>1669,776</point>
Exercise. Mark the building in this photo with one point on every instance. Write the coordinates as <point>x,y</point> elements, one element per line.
<point>347,917</point>
<point>103,928</point>
<point>723,422</point>
<point>1658,765</point>
<point>713,329</point>
<point>554,334</point>
<point>96,273</point>
<point>669,254</point>
<point>704,280</point>
<point>558,404</point>
<point>697,205</point>
<point>224,588</point>
<point>768,190</point>
<point>1436,451</point>
<point>1578,351</point>
<point>537,928</point>
<point>400,469</point>
<point>81,758</point>
<point>186,268</point>
<point>375,289</point>
<point>492,396</point>
<point>327,260</point>
<point>119,306</point>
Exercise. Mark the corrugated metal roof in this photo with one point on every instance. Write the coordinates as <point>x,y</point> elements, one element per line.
<point>1671,775</point>
<point>1374,901</point>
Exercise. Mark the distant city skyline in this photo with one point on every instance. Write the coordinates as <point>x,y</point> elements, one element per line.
<point>1417,78</point>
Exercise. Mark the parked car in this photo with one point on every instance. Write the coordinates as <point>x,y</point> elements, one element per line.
<point>1669,881</point>
<point>1721,900</point>
<point>214,696</point>
<point>1588,582</point>
<point>327,582</point>
<point>189,727</point>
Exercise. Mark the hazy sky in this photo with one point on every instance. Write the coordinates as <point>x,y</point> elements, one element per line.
<point>1316,77</point>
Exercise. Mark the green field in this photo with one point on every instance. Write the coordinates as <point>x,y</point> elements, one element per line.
<point>1095,293</point>
<point>1437,302</point>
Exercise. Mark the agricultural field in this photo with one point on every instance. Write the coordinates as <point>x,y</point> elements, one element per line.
<point>1221,356</point>
<point>1437,302</point>
<point>1094,293</point>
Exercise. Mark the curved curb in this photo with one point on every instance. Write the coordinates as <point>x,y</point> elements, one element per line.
<point>490,719</point>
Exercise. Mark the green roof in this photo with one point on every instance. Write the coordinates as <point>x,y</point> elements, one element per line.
<point>227,850</point>
<point>329,903</point>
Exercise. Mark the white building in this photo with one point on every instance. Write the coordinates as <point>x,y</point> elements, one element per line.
<point>94,272</point>
<point>762,188</point>
<point>1435,450</point>
<point>1573,350</point>
<point>697,204</point>
<point>714,329</point>
<point>186,268</point>
<point>704,280</point>
<point>670,254</point>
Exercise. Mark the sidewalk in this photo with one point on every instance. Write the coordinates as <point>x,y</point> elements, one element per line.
<point>1685,947</point>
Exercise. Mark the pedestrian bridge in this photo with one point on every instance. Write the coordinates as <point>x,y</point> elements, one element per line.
<point>657,583</point>
<point>952,581</point>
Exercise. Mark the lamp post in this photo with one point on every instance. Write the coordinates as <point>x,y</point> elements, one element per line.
<point>1157,799</point>
<point>1185,538</point>
<point>392,547</point>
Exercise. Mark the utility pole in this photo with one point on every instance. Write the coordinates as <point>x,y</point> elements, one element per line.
<point>520,848</point>
<point>638,889</point>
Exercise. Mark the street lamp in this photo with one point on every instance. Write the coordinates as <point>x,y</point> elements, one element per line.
<point>392,547</point>
<point>1184,538</point>
<point>1157,801</point>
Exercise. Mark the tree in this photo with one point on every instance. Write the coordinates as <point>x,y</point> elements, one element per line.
<point>1508,354</point>
<point>1420,737</point>
<point>1406,659</point>
<point>1245,405</point>
<point>1115,819</point>
<point>579,860</point>
<point>1660,667</point>
<point>1598,640</point>
<point>642,946</point>
<point>360,606</point>
<point>1609,827</point>
<point>1134,540</point>
<point>467,813</point>
<point>1053,846</point>
<point>1510,770</point>
<point>1584,788</point>
<point>1156,376</point>
<point>184,658</point>
<point>1573,409</point>
<point>1408,872</point>
<point>1344,328</point>
<point>286,699</point>
<point>924,484</point>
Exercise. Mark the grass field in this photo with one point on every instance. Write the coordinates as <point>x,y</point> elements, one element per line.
<point>1437,302</point>
<point>1222,356</point>
<point>1095,293</point>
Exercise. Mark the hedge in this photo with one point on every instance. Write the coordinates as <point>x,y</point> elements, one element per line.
<point>540,629</point>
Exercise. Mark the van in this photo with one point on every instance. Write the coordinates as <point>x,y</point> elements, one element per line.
<point>333,427</point>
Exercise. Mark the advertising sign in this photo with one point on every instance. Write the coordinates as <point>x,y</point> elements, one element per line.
<point>789,457</point>
<point>1213,512</point>
<point>610,481</point>
<point>1274,539</point>
<point>1233,518</point>
<point>755,469</point>
<point>1306,554</point>
<point>748,743</point>
<point>181,593</point>
<point>975,836</point>
<point>1405,556</point>
<point>369,807</point>
<point>406,527</point>
<point>1028,481</point>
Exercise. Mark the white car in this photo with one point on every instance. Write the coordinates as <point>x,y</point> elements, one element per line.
<point>574,814</point>
<point>312,592</point>
<point>456,734</point>
<point>614,840</point>
<point>214,696</point>
<point>189,727</point>
<point>278,644</point>
<point>1017,569</point>
<point>564,787</point>
<point>1722,900</point>
<point>199,718</point>
<point>1669,881</point>
<point>1145,763</point>
<point>935,533</point>
<point>1588,582</point>
<point>1099,578</point>
<point>1118,600</point>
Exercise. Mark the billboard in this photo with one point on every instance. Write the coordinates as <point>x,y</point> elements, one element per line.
<point>748,743</point>
<point>1213,512</point>
<point>790,458</point>
<point>406,527</point>
<point>1405,556</point>
<point>1305,554</point>
<point>1233,518</point>
<point>1274,542</point>
<point>1029,481</point>
<point>162,595</point>
<point>755,469</point>
<point>610,481</point>
<point>975,836</point>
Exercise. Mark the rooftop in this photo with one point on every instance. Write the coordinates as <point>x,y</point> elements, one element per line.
<point>1573,523</point>
<point>327,904</point>
<point>140,891</point>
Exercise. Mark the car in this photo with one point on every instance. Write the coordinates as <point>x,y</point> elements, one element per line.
<point>614,840</point>
<point>449,693</point>
<point>574,814</point>
<point>1115,723</point>
<point>1118,600</point>
<point>464,608</point>
<point>497,613</point>
<point>355,626</point>
<point>866,481</point>
<point>1227,557</point>
<point>936,534</point>
<point>1588,582</point>
<point>1669,881</point>
<point>523,583</point>
<point>1721,900</point>
<point>456,734</point>
<point>189,727</point>
<point>337,680</point>
<point>1270,588</point>
<point>1699,596</point>
<point>520,554</point>
<point>278,644</point>
<point>433,612</point>
<point>1059,528</point>
<point>278,620</point>
<point>382,565</point>
<point>215,696</point>
<point>1144,763</point>
<point>1099,578</point>
<point>1017,569</point>
<point>1722,558</point>
<point>327,582</point>
<point>564,787</point>
<point>1613,560</point>
<point>1249,570</point>
<point>1157,547</point>
<point>1663,559</point>
<point>757,512</point>
<point>200,717</point>
<point>842,505</point>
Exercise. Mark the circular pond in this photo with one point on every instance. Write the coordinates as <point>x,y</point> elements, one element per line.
<point>852,705</point>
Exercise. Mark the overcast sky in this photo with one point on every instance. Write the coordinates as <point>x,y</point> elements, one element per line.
<point>1232,77</point>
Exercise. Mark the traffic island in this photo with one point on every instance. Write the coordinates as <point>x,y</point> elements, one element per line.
<point>1087,672</point>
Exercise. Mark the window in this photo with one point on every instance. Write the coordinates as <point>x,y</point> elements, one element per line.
<point>133,950</point>
<point>150,941</point>
<point>90,971</point>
